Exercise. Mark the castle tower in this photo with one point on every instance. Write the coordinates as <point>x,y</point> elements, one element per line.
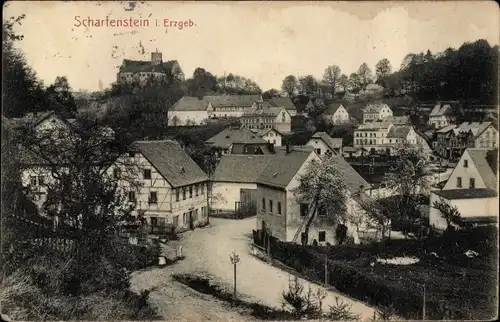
<point>156,58</point>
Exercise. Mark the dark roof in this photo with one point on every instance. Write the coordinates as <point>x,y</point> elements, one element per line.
<point>227,137</point>
<point>283,167</point>
<point>466,193</point>
<point>172,162</point>
<point>332,143</point>
<point>189,103</point>
<point>137,66</point>
<point>232,100</point>
<point>400,120</point>
<point>332,108</point>
<point>480,159</point>
<point>241,168</point>
<point>352,178</point>
<point>264,110</point>
<point>285,102</point>
<point>399,132</point>
<point>251,148</point>
<point>492,159</point>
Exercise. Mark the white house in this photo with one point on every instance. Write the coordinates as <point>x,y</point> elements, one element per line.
<point>485,133</point>
<point>440,115</point>
<point>172,189</point>
<point>229,105</point>
<point>270,135</point>
<point>188,111</point>
<point>371,135</point>
<point>336,114</point>
<point>324,144</point>
<point>281,213</point>
<point>471,187</point>
<point>376,112</point>
<point>235,181</point>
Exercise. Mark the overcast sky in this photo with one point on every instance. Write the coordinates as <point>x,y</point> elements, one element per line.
<point>262,41</point>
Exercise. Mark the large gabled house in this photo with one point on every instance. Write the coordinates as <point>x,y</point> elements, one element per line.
<point>169,188</point>
<point>229,106</point>
<point>188,111</point>
<point>285,102</point>
<point>132,71</point>
<point>376,112</point>
<point>440,115</point>
<point>336,113</point>
<point>280,212</point>
<point>264,116</point>
<point>472,187</point>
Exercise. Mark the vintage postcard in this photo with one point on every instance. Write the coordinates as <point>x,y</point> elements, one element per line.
<point>249,161</point>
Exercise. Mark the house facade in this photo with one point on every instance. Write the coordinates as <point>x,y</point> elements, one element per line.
<point>229,106</point>
<point>286,102</point>
<point>336,114</point>
<point>270,135</point>
<point>263,116</point>
<point>471,187</point>
<point>234,184</point>
<point>440,115</point>
<point>164,184</point>
<point>323,144</point>
<point>281,213</point>
<point>371,135</point>
<point>132,71</point>
<point>376,112</point>
<point>227,138</point>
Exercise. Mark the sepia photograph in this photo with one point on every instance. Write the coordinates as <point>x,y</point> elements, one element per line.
<point>249,161</point>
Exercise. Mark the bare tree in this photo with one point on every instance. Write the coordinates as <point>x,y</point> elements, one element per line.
<point>323,185</point>
<point>331,77</point>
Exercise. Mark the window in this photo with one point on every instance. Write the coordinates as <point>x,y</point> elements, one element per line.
<point>472,183</point>
<point>270,206</point>
<point>153,197</point>
<point>131,196</point>
<point>177,193</point>
<point>183,193</point>
<point>304,209</point>
<point>190,191</point>
<point>279,208</point>
<point>184,218</point>
<point>116,173</point>
<point>197,190</point>
<point>321,236</point>
<point>274,141</point>
<point>176,221</point>
<point>131,154</point>
<point>33,181</point>
<point>318,151</point>
<point>147,174</point>
<point>154,221</point>
<point>466,163</point>
<point>322,211</point>
<point>202,188</point>
<point>264,204</point>
<point>459,182</point>
<point>41,180</point>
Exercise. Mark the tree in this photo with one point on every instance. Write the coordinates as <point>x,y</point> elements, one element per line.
<point>354,83</point>
<point>290,85</point>
<point>365,75</point>
<point>60,97</point>
<point>341,311</point>
<point>302,305</point>
<point>323,186</point>
<point>408,178</point>
<point>202,83</point>
<point>382,70</point>
<point>238,85</point>
<point>344,82</point>
<point>22,92</point>
<point>308,85</point>
<point>449,212</point>
<point>270,93</point>
<point>331,77</point>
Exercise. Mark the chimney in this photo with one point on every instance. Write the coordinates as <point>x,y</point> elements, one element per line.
<point>287,148</point>
<point>361,188</point>
<point>156,58</point>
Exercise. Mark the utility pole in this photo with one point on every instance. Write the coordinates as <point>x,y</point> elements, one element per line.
<point>235,259</point>
<point>423,306</point>
<point>326,269</point>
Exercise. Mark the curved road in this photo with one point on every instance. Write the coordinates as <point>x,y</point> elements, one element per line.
<point>207,251</point>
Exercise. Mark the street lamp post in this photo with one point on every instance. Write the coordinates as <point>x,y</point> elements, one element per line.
<point>235,259</point>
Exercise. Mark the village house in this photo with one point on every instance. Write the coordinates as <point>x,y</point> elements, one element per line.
<point>471,187</point>
<point>230,106</point>
<point>264,116</point>
<point>239,138</point>
<point>286,102</point>
<point>352,152</point>
<point>376,112</point>
<point>280,213</point>
<point>141,71</point>
<point>324,144</point>
<point>441,114</point>
<point>234,183</point>
<point>336,114</point>
<point>371,135</point>
<point>485,133</point>
<point>171,189</point>
<point>188,111</point>
<point>270,135</point>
